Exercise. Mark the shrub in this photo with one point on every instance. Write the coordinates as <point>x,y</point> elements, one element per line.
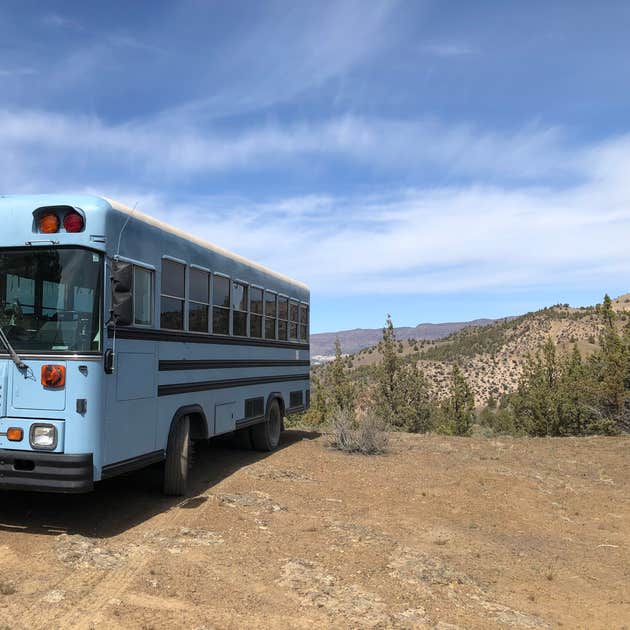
<point>368,437</point>
<point>501,420</point>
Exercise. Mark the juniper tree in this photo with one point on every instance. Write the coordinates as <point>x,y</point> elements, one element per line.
<point>458,410</point>
<point>341,390</point>
<point>611,363</point>
<point>401,393</point>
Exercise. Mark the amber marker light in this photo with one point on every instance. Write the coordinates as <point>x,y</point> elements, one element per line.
<point>14,434</point>
<point>53,376</point>
<point>49,223</point>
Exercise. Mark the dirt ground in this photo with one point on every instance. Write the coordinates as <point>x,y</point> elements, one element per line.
<point>439,533</point>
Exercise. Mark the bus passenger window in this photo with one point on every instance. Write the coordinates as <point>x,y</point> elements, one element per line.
<point>255,314</point>
<point>142,296</point>
<point>172,295</point>
<point>239,312</point>
<point>220,305</point>
<point>283,317</point>
<point>293,317</point>
<point>271,311</point>
<point>199,301</point>
<point>303,322</point>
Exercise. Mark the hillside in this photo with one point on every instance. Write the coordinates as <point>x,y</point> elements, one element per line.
<point>492,356</point>
<point>323,344</point>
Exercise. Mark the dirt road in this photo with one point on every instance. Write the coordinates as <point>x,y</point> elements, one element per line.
<point>439,533</point>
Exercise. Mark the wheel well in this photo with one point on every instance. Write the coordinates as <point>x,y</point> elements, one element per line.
<point>198,421</point>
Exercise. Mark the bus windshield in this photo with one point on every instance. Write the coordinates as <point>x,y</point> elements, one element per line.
<point>50,299</point>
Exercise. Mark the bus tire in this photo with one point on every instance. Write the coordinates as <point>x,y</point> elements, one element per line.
<point>177,461</point>
<point>266,435</point>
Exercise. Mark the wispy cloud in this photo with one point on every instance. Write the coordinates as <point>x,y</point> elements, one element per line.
<point>290,52</point>
<point>176,149</point>
<point>17,72</point>
<point>57,20</point>
<point>448,49</point>
<point>450,237</point>
<point>447,240</point>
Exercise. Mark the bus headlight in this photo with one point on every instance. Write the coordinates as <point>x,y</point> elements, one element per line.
<point>43,437</point>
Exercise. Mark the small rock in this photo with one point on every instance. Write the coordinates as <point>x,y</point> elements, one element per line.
<point>7,587</point>
<point>54,596</point>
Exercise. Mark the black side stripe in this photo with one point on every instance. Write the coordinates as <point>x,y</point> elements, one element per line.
<point>127,465</point>
<point>154,334</point>
<point>202,386</point>
<point>202,364</point>
<point>248,422</point>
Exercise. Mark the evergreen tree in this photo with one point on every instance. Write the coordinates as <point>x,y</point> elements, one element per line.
<point>342,393</point>
<point>402,398</point>
<point>535,402</point>
<point>318,410</point>
<point>458,410</point>
<point>388,368</point>
<point>611,363</point>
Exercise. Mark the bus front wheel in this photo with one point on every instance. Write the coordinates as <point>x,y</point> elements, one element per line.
<point>266,435</point>
<point>177,458</point>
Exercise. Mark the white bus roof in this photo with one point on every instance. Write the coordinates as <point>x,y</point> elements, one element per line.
<point>146,218</point>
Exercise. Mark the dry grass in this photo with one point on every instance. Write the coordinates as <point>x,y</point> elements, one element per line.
<point>368,437</point>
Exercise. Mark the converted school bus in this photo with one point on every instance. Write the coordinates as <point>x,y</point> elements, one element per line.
<point>122,339</point>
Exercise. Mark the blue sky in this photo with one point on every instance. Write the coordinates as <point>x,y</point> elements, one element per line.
<point>438,161</point>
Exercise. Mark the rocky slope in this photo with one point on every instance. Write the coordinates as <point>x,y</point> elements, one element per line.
<point>492,356</point>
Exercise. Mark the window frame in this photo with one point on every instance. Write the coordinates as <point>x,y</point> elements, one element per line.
<point>138,264</point>
<point>275,318</point>
<point>218,274</point>
<point>292,322</point>
<point>305,305</point>
<point>282,296</point>
<point>184,299</point>
<point>208,304</point>
<point>234,310</point>
<point>151,272</point>
<point>256,287</point>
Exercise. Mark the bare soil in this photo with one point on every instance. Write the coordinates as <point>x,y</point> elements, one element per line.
<point>438,533</point>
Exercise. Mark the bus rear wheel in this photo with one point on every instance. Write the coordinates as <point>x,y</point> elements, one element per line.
<point>266,435</point>
<point>178,454</point>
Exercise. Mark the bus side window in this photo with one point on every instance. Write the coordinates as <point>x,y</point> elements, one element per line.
<point>271,311</point>
<point>172,295</point>
<point>303,322</point>
<point>220,305</point>
<point>293,323</point>
<point>255,315</point>
<point>239,310</point>
<point>142,296</point>
<point>283,317</point>
<point>198,300</point>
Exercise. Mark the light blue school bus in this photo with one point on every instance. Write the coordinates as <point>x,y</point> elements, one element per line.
<point>123,339</point>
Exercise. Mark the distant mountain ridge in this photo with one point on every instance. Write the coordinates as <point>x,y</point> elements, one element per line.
<point>323,344</point>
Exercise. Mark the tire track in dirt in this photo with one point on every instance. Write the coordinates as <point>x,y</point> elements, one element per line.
<point>109,585</point>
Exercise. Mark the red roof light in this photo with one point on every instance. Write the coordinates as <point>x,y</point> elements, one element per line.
<point>73,222</point>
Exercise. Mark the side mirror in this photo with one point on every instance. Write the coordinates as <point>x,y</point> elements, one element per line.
<point>122,298</point>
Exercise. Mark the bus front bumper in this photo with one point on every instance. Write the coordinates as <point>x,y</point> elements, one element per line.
<point>45,472</point>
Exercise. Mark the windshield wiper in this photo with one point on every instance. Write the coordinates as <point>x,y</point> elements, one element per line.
<point>15,357</point>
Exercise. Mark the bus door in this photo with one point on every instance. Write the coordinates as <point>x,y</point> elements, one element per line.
<point>131,402</point>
